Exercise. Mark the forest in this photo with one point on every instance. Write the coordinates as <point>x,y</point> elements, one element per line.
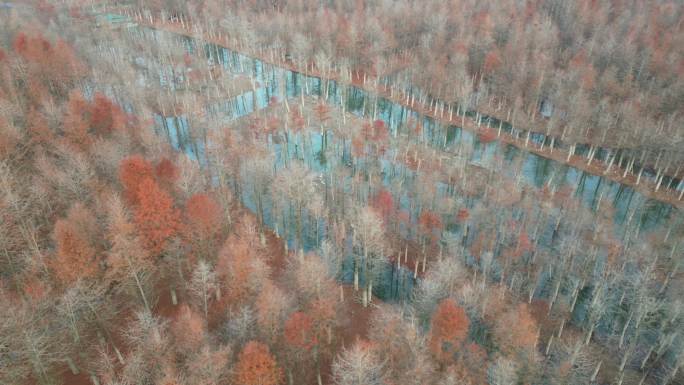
<point>341,192</point>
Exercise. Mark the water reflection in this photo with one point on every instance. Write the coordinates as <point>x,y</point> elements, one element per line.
<point>533,170</point>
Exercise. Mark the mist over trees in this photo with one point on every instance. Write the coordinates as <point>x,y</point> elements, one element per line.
<point>341,192</point>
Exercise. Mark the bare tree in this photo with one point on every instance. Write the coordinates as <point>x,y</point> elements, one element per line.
<point>203,285</point>
<point>295,186</point>
<point>502,372</point>
<point>368,235</point>
<point>358,365</point>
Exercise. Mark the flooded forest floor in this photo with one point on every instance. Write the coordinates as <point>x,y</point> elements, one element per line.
<point>595,167</point>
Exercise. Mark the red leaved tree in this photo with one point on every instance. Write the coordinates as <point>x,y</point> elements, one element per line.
<point>203,222</point>
<point>31,48</point>
<point>234,270</point>
<point>76,121</point>
<point>384,203</point>
<point>377,134</point>
<point>132,171</point>
<point>105,116</point>
<point>430,225</point>
<point>301,341</point>
<point>38,127</point>
<point>492,61</point>
<point>188,330</point>
<point>76,253</point>
<point>517,331</point>
<point>167,173</point>
<point>155,216</point>
<point>322,112</point>
<point>448,331</point>
<point>297,121</point>
<point>256,366</point>
<point>299,332</point>
<point>272,306</point>
<point>324,316</point>
<point>487,135</point>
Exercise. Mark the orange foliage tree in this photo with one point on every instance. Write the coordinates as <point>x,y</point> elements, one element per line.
<point>384,203</point>
<point>167,173</point>
<point>155,216</point>
<point>76,253</point>
<point>234,269</point>
<point>299,331</point>
<point>492,61</point>
<point>240,265</point>
<point>324,316</point>
<point>188,330</point>
<point>75,121</point>
<point>256,366</point>
<point>449,330</point>
<point>105,116</point>
<point>132,171</point>
<point>47,65</point>
<point>272,306</point>
<point>38,127</point>
<point>517,331</point>
<point>83,120</point>
<point>430,225</point>
<point>203,222</point>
